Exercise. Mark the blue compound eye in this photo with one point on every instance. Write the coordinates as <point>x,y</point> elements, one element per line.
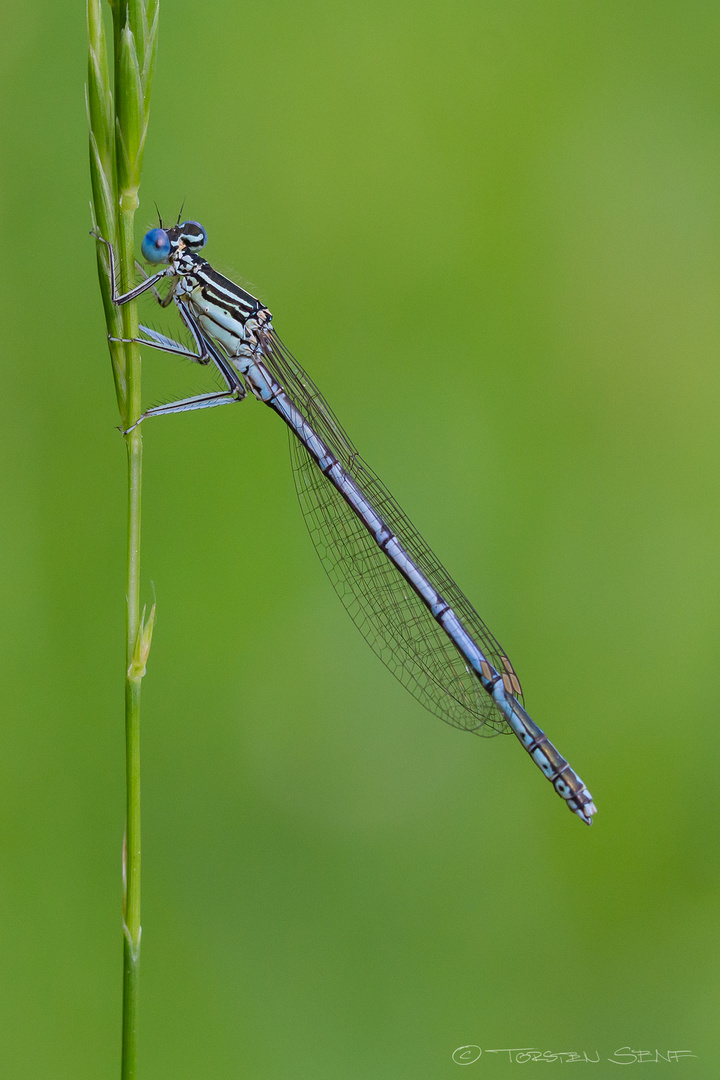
<point>156,246</point>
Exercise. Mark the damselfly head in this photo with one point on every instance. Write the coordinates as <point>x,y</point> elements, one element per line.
<point>159,244</point>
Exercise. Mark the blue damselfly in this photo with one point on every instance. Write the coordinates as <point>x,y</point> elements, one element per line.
<point>397,592</point>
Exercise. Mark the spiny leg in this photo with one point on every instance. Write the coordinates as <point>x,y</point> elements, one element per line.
<point>132,294</point>
<point>202,401</point>
<point>155,340</point>
<point>235,392</point>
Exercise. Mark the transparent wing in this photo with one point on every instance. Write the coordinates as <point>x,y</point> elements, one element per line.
<point>390,616</point>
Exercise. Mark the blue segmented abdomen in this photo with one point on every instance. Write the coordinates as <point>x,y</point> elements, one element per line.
<point>497,681</point>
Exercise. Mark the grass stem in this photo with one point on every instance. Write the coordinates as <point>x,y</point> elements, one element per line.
<point>118,121</point>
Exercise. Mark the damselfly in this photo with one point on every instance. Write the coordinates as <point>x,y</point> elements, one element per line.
<point>399,595</point>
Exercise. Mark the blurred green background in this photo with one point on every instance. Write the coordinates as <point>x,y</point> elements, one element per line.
<point>490,233</point>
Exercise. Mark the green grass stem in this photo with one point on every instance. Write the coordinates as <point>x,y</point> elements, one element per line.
<point>118,121</point>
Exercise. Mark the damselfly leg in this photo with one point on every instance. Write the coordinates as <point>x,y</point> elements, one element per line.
<point>235,390</point>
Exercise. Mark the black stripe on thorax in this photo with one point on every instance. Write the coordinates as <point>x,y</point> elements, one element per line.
<point>221,290</point>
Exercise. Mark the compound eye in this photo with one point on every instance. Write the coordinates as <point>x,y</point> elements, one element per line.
<point>156,246</point>
<point>193,235</point>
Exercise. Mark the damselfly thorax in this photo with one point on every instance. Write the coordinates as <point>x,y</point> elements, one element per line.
<point>228,314</point>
